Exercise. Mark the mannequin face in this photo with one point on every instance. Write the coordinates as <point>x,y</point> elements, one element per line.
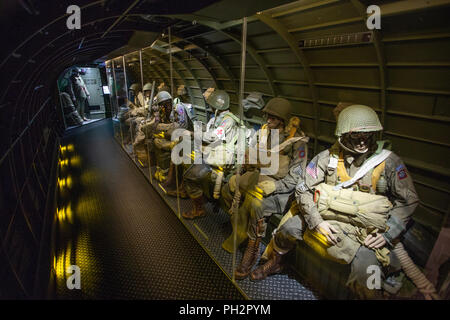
<point>360,142</point>
<point>165,108</point>
<point>274,122</point>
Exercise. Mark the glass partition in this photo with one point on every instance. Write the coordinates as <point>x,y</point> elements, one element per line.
<point>120,100</point>
<point>111,87</point>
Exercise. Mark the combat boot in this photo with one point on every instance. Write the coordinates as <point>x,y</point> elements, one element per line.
<point>170,182</point>
<point>249,259</point>
<point>197,211</point>
<point>272,266</point>
<point>181,192</point>
<point>157,173</point>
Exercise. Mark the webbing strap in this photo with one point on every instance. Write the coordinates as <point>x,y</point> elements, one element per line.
<point>371,163</point>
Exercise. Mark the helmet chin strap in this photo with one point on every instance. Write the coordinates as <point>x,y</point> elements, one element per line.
<point>350,150</point>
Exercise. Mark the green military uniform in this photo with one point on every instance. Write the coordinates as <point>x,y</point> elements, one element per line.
<point>134,114</point>
<point>381,201</point>
<point>220,130</point>
<point>224,125</point>
<point>292,160</point>
<point>275,188</point>
<point>161,140</point>
<point>143,127</point>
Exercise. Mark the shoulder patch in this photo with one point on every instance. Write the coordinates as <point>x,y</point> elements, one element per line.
<point>401,172</point>
<point>298,170</point>
<point>301,187</point>
<point>301,152</point>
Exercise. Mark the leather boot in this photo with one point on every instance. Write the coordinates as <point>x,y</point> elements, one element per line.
<point>157,173</point>
<point>181,192</point>
<point>170,182</point>
<point>197,211</point>
<point>272,266</point>
<point>249,259</point>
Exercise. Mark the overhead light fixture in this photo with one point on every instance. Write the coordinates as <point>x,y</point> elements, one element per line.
<point>338,40</point>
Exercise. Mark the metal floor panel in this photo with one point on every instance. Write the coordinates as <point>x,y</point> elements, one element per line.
<point>121,234</point>
<point>212,229</point>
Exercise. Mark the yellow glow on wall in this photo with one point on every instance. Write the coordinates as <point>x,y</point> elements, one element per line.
<point>66,182</point>
<point>61,183</point>
<point>63,163</point>
<point>65,214</point>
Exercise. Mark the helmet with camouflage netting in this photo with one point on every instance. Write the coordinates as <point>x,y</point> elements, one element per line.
<point>219,99</point>
<point>357,118</point>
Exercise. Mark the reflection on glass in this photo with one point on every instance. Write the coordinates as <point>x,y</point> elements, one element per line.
<point>201,194</point>
<point>121,98</point>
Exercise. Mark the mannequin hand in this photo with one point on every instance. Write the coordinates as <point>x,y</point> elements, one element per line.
<point>375,241</point>
<point>268,187</point>
<point>327,230</point>
<point>232,183</point>
<point>173,144</point>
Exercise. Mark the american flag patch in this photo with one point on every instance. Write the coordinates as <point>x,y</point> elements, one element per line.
<point>401,172</point>
<point>311,169</point>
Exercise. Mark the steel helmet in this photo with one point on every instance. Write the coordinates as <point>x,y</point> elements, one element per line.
<point>147,87</point>
<point>135,87</point>
<point>219,99</point>
<point>357,118</point>
<point>279,107</point>
<point>163,96</point>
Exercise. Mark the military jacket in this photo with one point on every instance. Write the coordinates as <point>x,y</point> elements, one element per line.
<point>400,188</point>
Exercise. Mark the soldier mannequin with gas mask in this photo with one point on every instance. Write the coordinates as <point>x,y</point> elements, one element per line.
<point>357,196</point>
<point>161,142</point>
